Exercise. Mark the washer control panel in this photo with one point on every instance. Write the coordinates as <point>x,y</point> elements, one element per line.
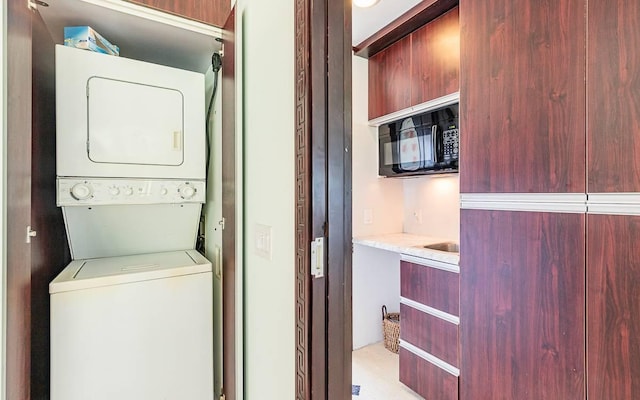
<point>92,191</point>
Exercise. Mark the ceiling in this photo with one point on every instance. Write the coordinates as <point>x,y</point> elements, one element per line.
<point>367,21</point>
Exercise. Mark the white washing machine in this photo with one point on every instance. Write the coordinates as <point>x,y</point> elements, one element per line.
<point>133,328</point>
<point>117,117</point>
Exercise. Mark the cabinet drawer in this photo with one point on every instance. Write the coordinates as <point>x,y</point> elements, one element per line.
<point>429,333</point>
<point>426,379</point>
<point>430,286</point>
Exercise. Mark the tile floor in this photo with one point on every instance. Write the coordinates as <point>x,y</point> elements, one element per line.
<point>375,369</point>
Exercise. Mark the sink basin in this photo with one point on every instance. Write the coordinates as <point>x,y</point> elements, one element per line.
<point>450,247</point>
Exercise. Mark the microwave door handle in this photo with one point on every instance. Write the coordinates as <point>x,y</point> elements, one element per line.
<point>434,149</point>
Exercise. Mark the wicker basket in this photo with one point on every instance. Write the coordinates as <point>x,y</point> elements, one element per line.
<point>391,330</point>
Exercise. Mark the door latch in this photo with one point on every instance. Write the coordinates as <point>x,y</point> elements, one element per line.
<point>317,257</point>
<point>30,233</point>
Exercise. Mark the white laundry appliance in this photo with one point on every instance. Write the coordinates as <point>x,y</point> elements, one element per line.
<point>131,316</point>
<point>128,133</point>
<point>133,327</point>
<point>117,117</point>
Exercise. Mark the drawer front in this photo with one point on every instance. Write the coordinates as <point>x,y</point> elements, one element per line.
<point>432,287</point>
<point>431,334</point>
<point>426,379</point>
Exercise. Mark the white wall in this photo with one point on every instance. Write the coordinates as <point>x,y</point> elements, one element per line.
<point>376,276</point>
<point>381,196</point>
<point>432,206</point>
<point>422,205</point>
<point>267,126</point>
<point>376,283</point>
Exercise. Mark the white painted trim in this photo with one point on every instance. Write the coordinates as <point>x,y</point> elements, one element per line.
<point>614,198</point>
<point>526,197</point>
<point>3,193</point>
<point>420,108</point>
<point>157,16</point>
<point>430,358</point>
<point>430,263</point>
<point>625,203</point>
<point>613,209</point>
<point>430,310</point>
<point>535,202</point>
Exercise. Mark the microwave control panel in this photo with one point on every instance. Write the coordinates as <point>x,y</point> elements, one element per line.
<point>451,144</point>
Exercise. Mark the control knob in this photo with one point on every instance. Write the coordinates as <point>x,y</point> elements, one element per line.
<point>81,191</point>
<point>187,191</point>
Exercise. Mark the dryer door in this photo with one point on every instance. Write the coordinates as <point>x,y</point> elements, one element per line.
<point>131,123</point>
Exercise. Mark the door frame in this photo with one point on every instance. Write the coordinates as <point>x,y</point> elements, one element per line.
<point>3,219</point>
<point>230,272</point>
<point>323,333</point>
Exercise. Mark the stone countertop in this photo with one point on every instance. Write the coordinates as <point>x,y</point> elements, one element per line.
<point>406,243</point>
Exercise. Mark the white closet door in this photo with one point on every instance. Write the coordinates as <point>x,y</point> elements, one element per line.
<point>124,129</point>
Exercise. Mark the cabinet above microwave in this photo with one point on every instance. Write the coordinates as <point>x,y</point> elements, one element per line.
<point>424,143</point>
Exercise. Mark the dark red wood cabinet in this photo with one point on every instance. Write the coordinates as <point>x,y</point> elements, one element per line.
<point>429,315</point>
<point>213,12</point>
<point>522,306</point>
<point>613,306</point>
<point>613,88</point>
<point>390,79</point>
<point>613,253</point>
<point>534,120</point>
<point>522,96</point>
<point>435,58</point>
<point>422,66</point>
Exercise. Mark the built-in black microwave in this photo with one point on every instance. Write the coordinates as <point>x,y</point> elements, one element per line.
<point>427,143</point>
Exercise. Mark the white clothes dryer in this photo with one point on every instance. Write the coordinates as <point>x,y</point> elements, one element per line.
<point>123,118</point>
<point>132,328</point>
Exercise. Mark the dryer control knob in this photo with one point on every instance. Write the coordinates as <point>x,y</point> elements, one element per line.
<point>81,191</point>
<point>128,191</point>
<point>187,191</point>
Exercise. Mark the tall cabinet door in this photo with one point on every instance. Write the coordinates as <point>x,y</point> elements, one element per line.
<point>522,306</point>
<point>613,304</point>
<point>613,254</point>
<point>613,84</point>
<point>522,96</point>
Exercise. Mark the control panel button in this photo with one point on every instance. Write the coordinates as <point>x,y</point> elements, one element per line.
<point>128,191</point>
<point>187,191</point>
<point>114,191</point>
<point>81,191</point>
<point>164,191</point>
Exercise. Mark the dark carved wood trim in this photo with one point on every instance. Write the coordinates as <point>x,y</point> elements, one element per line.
<point>408,22</point>
<point>303,190</point>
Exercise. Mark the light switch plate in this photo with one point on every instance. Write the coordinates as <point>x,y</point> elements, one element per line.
<point>368,216</point>
<point>262,241</point>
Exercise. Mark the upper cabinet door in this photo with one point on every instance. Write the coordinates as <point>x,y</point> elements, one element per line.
<point>435,58</point>
<point>213,12</point>
<point>390,79</point>
<point>523,96</point>
<point>614,96</point>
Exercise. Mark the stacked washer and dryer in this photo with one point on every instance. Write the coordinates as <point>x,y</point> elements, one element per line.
<point>131,315</point>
